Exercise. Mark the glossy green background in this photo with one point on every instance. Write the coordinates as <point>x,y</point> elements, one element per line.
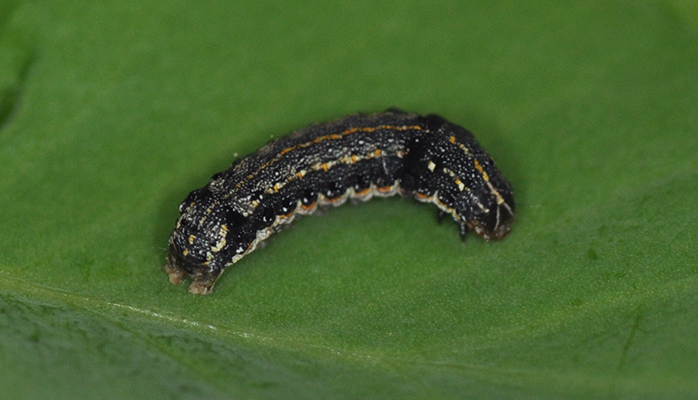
<point>112,111</point>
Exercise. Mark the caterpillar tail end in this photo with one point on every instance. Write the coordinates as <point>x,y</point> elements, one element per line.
<point>203,281</point>
<point>203,284</point>
<point>176,275</point>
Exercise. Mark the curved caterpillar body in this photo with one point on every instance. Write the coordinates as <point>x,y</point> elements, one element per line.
<point>356,158</point>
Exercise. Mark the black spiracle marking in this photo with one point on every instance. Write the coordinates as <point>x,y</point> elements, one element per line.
<point>357,157</point>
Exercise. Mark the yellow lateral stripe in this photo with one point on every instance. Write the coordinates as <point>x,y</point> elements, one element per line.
<point>482,171</point>
<point>334,136</point>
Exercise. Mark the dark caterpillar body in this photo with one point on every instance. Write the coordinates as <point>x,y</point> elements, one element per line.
<point>356,157</point>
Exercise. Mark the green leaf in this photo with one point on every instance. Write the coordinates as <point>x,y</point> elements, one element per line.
<point>112,111</point>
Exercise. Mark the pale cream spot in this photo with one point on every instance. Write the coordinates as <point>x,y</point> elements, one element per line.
<point>191,239</point>
<point>218,246</point>
<point>431,166</point>
<point>465,149</point>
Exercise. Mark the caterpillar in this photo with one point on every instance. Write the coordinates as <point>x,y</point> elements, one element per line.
<point>357,157</point>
